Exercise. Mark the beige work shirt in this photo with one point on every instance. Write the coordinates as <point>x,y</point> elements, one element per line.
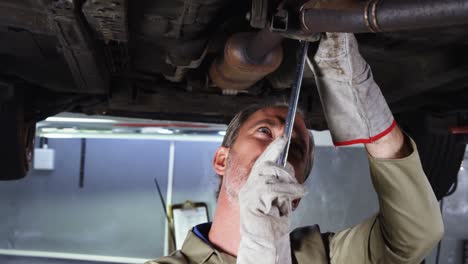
<point>407,226</point>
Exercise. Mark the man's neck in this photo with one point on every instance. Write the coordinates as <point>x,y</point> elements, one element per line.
<point>225,230</point>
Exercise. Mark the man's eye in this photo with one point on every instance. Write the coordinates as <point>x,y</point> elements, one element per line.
<point>264,130</point>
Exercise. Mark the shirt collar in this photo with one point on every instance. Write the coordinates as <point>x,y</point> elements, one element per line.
<point>200,251</point>
<point>202,231</point>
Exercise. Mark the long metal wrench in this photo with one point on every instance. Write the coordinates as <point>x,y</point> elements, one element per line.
<point>293,102</point>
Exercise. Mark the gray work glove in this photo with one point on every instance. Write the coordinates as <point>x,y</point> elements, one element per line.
<point>353,104</point>
<point>265,209</point>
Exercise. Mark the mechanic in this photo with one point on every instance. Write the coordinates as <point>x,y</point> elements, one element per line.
<point>256,197</point>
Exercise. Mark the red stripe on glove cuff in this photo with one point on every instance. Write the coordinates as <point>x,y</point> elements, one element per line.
<point>368,140</point>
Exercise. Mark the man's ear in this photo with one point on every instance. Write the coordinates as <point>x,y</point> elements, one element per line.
<point>220,160</point>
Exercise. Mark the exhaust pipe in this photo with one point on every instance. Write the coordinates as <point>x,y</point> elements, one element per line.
<point>381,15</point>
<point>247,58</point>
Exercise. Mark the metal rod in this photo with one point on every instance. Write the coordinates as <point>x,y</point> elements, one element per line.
<point>163,203</point>
<point>82,163</point>
<point>293,102</point>
<point>170,182</point>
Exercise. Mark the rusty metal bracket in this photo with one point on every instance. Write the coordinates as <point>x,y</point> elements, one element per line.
<point>280,21</point>
<point>286,23</point>
<point>108,19</point>
<point>77,45</point>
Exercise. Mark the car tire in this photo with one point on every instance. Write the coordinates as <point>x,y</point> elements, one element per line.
<point>441,153</point>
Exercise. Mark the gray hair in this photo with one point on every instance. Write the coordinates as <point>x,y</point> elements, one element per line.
<point>232,131</point>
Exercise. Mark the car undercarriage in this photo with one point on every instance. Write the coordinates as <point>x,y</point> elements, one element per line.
<point>155,59</point>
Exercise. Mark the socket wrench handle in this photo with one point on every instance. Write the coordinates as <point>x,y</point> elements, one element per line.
<point>293,102</point>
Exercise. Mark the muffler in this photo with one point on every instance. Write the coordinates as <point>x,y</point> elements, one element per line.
<point>247,58</point>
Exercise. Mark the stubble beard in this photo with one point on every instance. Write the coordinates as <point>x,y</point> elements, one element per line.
<point>236,176</point>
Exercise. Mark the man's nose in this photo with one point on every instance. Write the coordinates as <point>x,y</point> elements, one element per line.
<point>282,130</point>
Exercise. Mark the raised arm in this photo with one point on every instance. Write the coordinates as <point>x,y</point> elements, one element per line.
<point>409,222</point>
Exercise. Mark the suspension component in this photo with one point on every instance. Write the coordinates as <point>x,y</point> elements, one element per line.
<point>247,58</point>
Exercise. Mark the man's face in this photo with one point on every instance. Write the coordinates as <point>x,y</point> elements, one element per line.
<point>254,136</point>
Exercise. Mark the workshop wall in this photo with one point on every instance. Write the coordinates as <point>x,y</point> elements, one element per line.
<point>116,213</point>
<point>194,178</point>
<point>340,190</point>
